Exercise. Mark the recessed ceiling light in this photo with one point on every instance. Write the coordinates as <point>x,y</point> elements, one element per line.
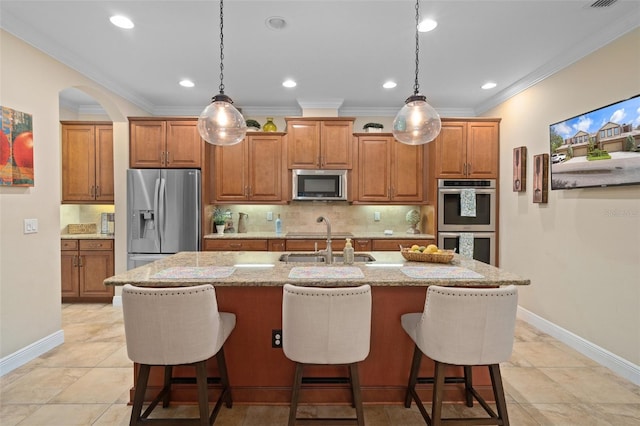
<point>121,22</point>
<point>389,84</point>
<point>186,83</point>
<point>289,83</point>
<point>276,23</point>
<point>427,25</point>
<point>489,85</point>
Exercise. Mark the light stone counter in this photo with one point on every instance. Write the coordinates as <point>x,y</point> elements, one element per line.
<point>263,269</point>
<point>86,236</point>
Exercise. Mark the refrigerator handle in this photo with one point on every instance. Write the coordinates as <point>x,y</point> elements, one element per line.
<point>156,211</point>
<point>163,194</point>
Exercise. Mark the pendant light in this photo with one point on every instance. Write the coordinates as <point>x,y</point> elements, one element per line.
<point>221,123</point>
<point>417,122</point>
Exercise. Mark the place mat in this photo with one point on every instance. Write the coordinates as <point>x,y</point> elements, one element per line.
<point>326,272</point>
<point>195,272</point>
<point>444,272</point>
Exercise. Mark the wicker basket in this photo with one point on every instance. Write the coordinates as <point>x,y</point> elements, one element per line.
<point>414,256</point>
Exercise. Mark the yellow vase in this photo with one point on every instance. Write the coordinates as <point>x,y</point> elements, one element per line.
<point>269,126</point>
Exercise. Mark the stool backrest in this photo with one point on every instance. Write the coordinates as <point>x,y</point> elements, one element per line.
<point>171,326</point>
<point>468,326</point>
<point>326,325</point>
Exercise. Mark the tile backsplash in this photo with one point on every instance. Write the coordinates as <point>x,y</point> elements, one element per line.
<point>301,216</point>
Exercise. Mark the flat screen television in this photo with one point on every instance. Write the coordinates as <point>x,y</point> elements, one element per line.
<point>598,148</point>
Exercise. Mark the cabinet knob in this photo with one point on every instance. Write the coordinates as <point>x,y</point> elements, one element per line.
<point>167,157</point>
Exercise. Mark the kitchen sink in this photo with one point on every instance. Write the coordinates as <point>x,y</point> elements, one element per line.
<point>318,258</point>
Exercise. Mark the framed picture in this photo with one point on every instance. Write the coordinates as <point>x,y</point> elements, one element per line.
<point>540,178</point>
<point>16,148</point>
<point>520,169</point>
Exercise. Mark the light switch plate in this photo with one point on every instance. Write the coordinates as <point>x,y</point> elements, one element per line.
<point>30,226</point>
<point>269,215</point>
<point>376,216</point>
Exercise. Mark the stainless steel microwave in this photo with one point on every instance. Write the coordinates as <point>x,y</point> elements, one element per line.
<point>327,185</point>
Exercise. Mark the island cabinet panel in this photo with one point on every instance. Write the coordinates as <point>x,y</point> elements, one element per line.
<point>468,149</point>
<point>85,265</point>
<point>164,143</point>
<point>394,244</point>
<point>320,144</point>
<point>388,171</point>
<point>362,244</point>
<point>87,162</point>
<point>235,245</point>
<point>277,245</point>
<point>250,170</point>
<point>260,374</point>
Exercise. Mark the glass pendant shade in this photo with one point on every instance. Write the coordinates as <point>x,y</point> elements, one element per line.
<point>221,123</point>
<point>417,122</point>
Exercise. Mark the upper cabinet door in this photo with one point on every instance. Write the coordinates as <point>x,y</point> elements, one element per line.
<point>451,150</point>
<point>184,145</point>
<point>265,167</point>
<point>78,162</point>
<point>336,144</point>
<point>147,141</point>
<point>104,164</point>
<point>231,172</point>
<point>303,144</point>
<point>482,150</point>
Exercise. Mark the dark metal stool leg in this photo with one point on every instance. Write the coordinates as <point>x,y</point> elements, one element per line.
<point>413,375</point>
<point>498,393</point>
<point>203,399</point>
<point>168,373</point>
<point>438,390</point>
<point>468,385</point>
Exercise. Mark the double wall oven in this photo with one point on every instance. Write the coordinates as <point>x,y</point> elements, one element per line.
<point>468,224</point>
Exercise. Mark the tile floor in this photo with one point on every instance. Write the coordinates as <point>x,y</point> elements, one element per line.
<point>547,383</point>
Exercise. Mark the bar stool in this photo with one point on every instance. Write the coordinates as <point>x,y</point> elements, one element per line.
<point>462,327</point>
<point>326,326</point>
<point>170,327</point>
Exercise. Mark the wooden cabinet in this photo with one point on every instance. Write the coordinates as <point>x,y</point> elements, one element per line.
<point>162,143</point>
<point>393,244</point>
<point>320,144</point>
<point>235,245</point>
<point>85,265</point>
<point>468,149</point>
<point>87,162</point>
<point>251,170</point>
<point>388,171</point>
<point>311,244</point>
<point>277,245</point>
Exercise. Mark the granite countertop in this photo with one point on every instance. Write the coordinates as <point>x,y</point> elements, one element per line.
<point>320,235</point>
<point>256,269</point>
<point>86,237</point>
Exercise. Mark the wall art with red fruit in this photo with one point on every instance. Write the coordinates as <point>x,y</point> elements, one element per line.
<point>16,148</point>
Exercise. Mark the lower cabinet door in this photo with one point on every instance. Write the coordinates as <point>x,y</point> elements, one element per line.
<point>70,279</point>
<point>95,266</point>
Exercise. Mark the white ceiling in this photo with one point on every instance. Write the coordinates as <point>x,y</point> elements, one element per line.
<point>339,52</point>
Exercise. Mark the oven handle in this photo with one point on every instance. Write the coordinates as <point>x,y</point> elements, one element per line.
<point>459,190</point>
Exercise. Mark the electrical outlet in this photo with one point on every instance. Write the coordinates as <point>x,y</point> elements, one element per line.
<point>269,216</point>
<point>276,338</point>
<point>376,216</point>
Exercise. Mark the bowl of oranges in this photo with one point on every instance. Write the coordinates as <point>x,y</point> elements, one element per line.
<point>430,253</point>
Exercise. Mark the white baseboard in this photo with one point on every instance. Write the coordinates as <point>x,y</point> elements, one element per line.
<point>30,352</point>
<point>619,365</point>
<point>117,301</point>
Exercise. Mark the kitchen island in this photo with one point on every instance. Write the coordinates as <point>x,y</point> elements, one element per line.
<point>249,284</point>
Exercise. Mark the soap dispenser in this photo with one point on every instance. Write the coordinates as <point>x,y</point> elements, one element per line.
<point>347,252</point>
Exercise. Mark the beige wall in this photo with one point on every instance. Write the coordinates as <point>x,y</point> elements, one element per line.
<point>582,249</point>
<point>30,81</point>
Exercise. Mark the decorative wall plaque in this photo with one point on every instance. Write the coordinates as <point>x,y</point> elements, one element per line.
<point>520,169</point>
<point>540,178</point>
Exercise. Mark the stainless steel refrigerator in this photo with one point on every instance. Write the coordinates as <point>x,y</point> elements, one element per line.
<point>163,213</point>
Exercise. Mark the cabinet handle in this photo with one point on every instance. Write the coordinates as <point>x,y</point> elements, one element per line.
<point>97,191</point>
<point>80,262</point>
<point>74,262</point>
<point>162,157</point>
<point>167,156</point>
<point>468,169</point>
<point>235,245</point>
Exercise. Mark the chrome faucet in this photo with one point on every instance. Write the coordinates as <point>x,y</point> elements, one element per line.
<point>328,253</point>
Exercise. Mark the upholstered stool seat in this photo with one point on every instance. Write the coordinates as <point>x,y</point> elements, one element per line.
<point>463,327</point>
<point>176,326</point>
<point>326,326</point>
